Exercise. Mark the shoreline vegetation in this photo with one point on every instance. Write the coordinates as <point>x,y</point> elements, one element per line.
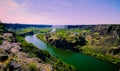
<point>98,41</point>
<point>30,52</point>
<point>44,55</point>
<point>87,51</point>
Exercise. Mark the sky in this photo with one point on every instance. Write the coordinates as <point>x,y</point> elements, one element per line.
<point>60,12</point>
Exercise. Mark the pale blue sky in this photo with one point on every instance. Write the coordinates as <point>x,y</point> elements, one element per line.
<point>60,11</point>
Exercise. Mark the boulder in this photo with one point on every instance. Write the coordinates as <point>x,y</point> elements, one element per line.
<point>15,50</point>
<point>3,57</point>
<point>13,66</point>
<point>46,67</point>
<point>34,60</point>
<point>115,50</point>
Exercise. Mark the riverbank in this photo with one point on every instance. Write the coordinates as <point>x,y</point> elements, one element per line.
<point>81,60</point>
<point>13,58</point>
<point>86,58</point>
<point>101,56</point>
<point>45,56</point>
<point>88,51</point>
<point>16,54</point>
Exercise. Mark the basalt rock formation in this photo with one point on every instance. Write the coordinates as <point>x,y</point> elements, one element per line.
<point>12,58</point>
<point>63,43</point>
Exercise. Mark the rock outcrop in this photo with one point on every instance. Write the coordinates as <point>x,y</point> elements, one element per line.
<point>13,59</point>
<point>69,43</point>
<point>114,50</point>
<point>113,30</point>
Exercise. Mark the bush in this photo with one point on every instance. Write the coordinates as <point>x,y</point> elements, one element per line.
<point>0,41</point>
<point>2,28</point>
<point>32,67</point>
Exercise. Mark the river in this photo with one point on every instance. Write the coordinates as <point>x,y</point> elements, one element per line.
<point>81,61</point>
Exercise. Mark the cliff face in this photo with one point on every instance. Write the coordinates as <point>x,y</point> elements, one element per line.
<point>70,42</point>
<point>13,59</point>
<point>113,30</point>
<point>102,38</point>
<point>108,38</point>
<point>109,29</point>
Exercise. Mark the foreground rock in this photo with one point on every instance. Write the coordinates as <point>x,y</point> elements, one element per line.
<point>3,57</point>
<point>13,59</point>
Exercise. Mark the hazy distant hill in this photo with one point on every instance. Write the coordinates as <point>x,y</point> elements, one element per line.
<point>17,26</point>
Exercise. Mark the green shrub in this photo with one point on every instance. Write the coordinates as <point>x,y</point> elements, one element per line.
<point>2,28</point>
<point>0,40</point>
<point>43,55</point>
<point>32,67</point>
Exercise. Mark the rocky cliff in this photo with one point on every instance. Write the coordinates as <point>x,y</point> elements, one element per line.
<point>102,38</point>
<point>69,42</point>
<point>113,30</point>
<point>111,35</point>
<point>12,58</point>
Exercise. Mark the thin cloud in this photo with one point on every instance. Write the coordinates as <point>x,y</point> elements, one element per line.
<point>25,3</point>
<point>17,13</point>
<point>63,2</point>
<point>8,5</point>
<point>57,12</point>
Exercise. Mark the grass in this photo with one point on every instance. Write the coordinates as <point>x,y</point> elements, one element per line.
<point>94,50</point>
<point>44,56</point>
<point>31,29</point>
<point>100,55</point>
<point>32,66</point>
<point>2,28</point>
<point>0,40</point>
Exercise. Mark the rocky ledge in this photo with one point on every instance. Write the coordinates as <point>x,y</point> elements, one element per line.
<point>13,59</point>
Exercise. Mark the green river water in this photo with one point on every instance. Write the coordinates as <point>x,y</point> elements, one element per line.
<point>81,61</point>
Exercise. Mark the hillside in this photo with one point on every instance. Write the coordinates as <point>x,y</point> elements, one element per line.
<point>19,26</point>
<point>100,41</point>
<point>13,59</point>
<point>18,55</point>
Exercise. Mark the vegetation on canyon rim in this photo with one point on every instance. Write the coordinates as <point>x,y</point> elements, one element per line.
<point>96,42</point>
<point>29,50</point>
<point>99,41</point>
